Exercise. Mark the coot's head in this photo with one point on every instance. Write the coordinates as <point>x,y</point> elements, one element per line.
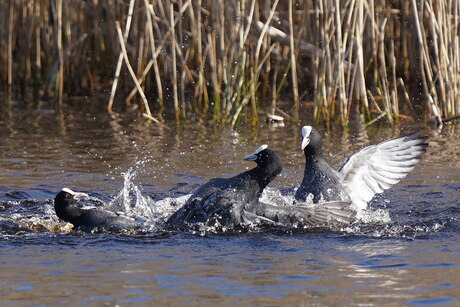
<point>266,158</point>
<point>67,197</point>
<point>311,141</point>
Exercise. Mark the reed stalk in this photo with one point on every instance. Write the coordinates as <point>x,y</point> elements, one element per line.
<point>10,49</point>
<point>174,64</point>
<point>360,76</point>
<point>147,113</point>
<point>383,74</point>
<point>60,78</point>
<point>234,60</point>
<point>120,57</point>
<point>295,83</point>
<point>425,66</point>
<point>201,92</point>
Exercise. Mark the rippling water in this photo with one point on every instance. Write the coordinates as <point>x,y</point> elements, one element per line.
<point>123,163</point>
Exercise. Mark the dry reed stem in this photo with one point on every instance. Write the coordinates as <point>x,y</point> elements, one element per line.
<point>360,77</point>
<point>120,56</point>
<point>248,27</point>
<point>383,73</point>
<point>174,65</point>
<point>151,13</point>
<point>375,104</point>
<point>340,67</point>
<point>141,80</point>
<point>60,51</point>
<point>255,74</point>
<point>264,31</point>
<point>183,65</point>
<point>10,49</point>
<point>149,65</point>
<point>38,63</point>
<point>201,89</point>
<point>140,57</point>
<point>426,72</point>
<point>395,102</point>
<point>214,74</point>
<point>349,54</point>
<point>133,75</point>
<point>274,96</point>
<point>295,83</point>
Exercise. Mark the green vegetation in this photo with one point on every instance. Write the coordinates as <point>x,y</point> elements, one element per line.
<point>215,59</point>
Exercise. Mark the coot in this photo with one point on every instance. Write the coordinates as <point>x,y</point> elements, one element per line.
<point>224,200</point>
<point>369,171</point>
<point>89,219</point>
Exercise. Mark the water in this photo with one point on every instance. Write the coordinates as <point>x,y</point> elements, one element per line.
<point>126,165</point>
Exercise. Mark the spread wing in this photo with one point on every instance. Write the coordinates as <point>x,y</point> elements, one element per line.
<point>376,168</point>
<point>316,216</point>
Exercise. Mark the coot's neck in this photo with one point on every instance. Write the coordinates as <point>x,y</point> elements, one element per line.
<point>263,175</point>
<point>312,155</point>
<point>69,213</point>
<point>314,149</point>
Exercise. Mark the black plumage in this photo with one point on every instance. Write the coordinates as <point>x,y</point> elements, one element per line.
<point>366,173</point>
<point>226,200</point>
<point>65,205</point>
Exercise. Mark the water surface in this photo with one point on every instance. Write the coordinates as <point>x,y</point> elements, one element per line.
<point>413,259</point>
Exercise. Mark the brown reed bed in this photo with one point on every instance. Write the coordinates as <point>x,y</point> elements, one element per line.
<point>219,60</point>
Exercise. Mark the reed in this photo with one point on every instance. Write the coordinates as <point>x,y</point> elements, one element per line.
<point>293,59</point>
<point>120,57</point>
<point>10,49</point>
<point>60,77</point>
<point>238,60</point>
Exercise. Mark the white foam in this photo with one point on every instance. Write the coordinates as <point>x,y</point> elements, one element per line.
<point>131,201</point>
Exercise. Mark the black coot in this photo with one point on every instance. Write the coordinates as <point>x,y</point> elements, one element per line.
<point>369,171</point>
<point>89,219</point>
<point>235,201</point>
<point>226,200</point>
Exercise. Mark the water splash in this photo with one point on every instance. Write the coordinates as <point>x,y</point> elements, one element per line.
<point>275,197</point>
<point>131,201</point>
<point>27,214</point>
<point>370,216</point>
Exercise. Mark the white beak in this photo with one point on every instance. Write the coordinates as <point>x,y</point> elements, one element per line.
<point>306,131</point>
<point>76,195</point>
<point>253,156</point>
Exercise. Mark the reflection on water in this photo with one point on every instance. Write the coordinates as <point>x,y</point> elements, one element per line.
<point>296,269</point>
<point>128,165</point>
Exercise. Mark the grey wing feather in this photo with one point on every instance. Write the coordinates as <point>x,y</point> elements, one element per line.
<point>376,168</point>
<point>317,215</point>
